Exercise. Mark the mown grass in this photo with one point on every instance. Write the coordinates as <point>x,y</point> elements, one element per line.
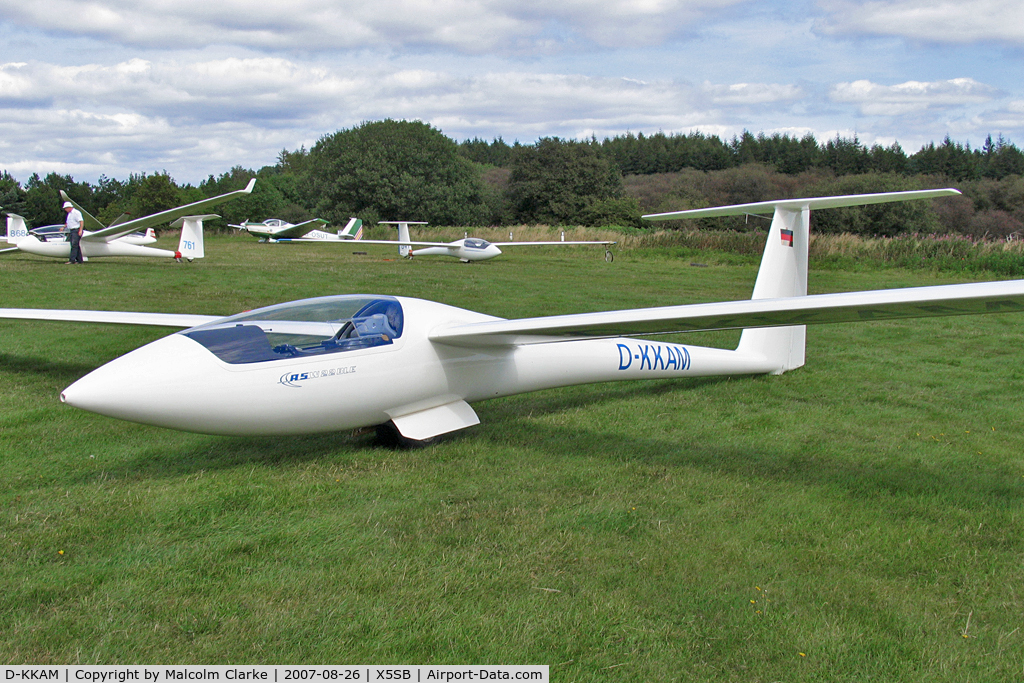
<point>857,519</point>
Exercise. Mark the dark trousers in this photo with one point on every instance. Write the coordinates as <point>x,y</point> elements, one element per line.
<point>76,247</point>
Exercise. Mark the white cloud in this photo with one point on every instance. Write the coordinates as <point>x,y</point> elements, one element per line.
<point>195,117</point>
<point>894,100</point>
<point>1006,118</point>
<point>943,21</point>
<point>125,86</point>
<point>467,26</point>
<point>752,93</point>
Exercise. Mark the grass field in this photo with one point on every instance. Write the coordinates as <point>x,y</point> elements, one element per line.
<point>858,519</point>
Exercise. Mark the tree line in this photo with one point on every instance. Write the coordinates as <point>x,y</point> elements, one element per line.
<point>389,170</point>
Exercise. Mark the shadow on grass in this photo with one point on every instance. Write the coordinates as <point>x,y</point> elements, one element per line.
<point>963,484</point>
<point>215,453</point>
<point>51,368</point>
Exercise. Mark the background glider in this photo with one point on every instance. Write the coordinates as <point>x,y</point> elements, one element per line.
<point>114,240</point>
<point>277,230</point>
<point>466,249</point>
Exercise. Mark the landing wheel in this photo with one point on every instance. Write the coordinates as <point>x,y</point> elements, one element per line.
<point>388,436</point>
<point>609,256</point>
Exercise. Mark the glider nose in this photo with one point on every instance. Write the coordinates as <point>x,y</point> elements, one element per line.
<point>162,384</point>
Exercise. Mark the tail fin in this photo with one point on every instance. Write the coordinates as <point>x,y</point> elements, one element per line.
<point>783,271</point>
<point>404,248</point>
<point>16,228</point>
<point>353,230</point>
<point>190,246</point>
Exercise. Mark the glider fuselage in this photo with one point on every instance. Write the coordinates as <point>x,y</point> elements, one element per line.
<point>90,249</point>
<point>465,250</point>
<point>179,383</point>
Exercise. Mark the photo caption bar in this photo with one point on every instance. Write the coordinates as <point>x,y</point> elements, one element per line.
<point>274,674</point>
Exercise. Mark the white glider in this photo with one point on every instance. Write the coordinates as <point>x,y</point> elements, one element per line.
<point>466,249</point>
<point>277,230</point>
<point>117,240</point>
<point>412,367</point>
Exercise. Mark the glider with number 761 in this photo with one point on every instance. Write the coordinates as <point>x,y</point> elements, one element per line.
<point>413,367</point>
<point>115,240</point>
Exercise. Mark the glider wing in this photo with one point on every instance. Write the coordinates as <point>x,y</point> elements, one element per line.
<point>543,244</point>
<point>941,300</point>
<point>300,229</point>
<point>114,231</point>
<point>181,320</point>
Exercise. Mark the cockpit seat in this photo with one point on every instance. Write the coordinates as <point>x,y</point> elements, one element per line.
<point>373,325</point>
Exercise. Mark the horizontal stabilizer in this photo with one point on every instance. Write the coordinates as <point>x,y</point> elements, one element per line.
<point>802,204</point>
<point>942,300</point>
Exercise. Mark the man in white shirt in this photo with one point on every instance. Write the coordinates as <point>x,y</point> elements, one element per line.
<point>75,225</point>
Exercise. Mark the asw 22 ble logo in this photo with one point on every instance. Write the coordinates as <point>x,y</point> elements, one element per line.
<point>293,379</point>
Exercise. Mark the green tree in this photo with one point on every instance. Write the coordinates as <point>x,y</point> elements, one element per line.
<point>889,219</point>
<point>951,159</point>
<point>265,201</point>
<point>43,201</point>
<point>845,157</point>
<point>392,170</point>
<point>12,197</point>
<point>556,181</point>
<point>496,153</point>
<point>1000,158</point>
<point>156,193</point>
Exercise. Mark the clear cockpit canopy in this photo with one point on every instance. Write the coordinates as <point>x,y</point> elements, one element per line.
<point>310,327</point>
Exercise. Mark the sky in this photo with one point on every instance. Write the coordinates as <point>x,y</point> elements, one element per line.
<point>93,88</point>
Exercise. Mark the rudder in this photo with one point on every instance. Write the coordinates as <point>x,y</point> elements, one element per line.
<point>17,230</point>
<point>190,246</point>
<point>783,273</point>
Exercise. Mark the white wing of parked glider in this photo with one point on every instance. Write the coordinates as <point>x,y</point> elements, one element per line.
<point>550,244</point>
<point>108,234</point>
<point>393,243</point>
<point>885,304</point>
<point>300,229</point>
<point>941,300</point>
<point>180,320</point>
